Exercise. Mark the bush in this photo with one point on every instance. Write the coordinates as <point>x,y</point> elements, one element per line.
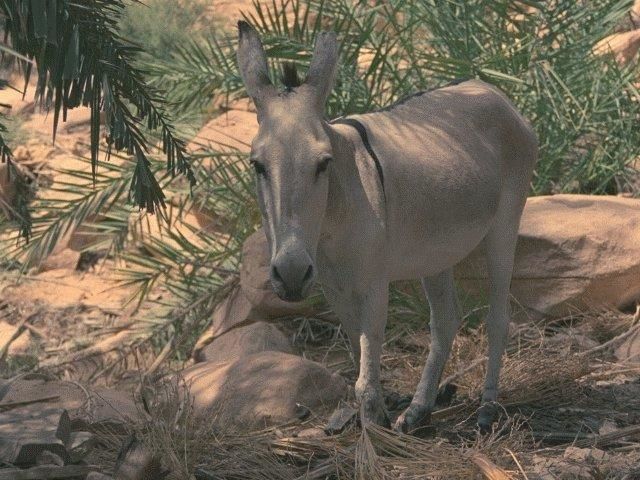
<point>161,25</point>
<point>584,108</point>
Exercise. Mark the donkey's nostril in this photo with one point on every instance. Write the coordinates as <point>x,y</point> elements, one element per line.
<point>307,275</point>
<point>276,274</point>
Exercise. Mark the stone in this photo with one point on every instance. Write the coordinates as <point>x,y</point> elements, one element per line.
<point>256,284</point>
<point>88,407</point>
<point>98,476</point>
<point>259,390</point>
<point>574,253</point>
<point>232,130</point>
<point>232,311</point>
<point>340,419</point>
<point>136,462</point>
<point>635,13</point>
<point>571,342</point>
<point>629,349</point>
<point>311,433</point>
<point>24,435</point>
<point>623,46</point>
<point>47,457</point>
<point>80,445</point>
<point>64,259</point>
<point>254,338</point>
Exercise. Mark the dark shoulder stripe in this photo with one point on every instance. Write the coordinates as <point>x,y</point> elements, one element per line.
<point>362,131</point>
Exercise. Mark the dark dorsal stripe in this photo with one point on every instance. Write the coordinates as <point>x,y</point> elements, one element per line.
<point>362,131</point>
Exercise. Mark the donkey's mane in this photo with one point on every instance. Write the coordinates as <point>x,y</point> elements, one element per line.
<point>289,76</point>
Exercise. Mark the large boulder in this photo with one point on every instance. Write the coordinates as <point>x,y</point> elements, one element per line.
<point>622,46</point>
<point>87,407</point>
<point>232,130</point>
<point>233,312</point>
<point>253,338</point>
<point>574,252</point>
<point>262,389</point>
<point>255,282</point>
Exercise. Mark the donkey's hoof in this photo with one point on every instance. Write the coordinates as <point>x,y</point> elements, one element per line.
<point>487,415</point>
<point>373,410</point>
<point>413,419</point>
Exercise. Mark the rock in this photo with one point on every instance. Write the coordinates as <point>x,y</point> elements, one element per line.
<point>254,338</point>
<point>47,472</point>
<point>88,408</point>
<point>623,46</point>
<point>571,342</point>
<point>340,419</point>
<point>255,282</point>
<point>232,130</point>
<point>261,389</point>
<point>48,458</point>
<point>66,258</point>
<point>135,462</point>
<point>586,455</point>
<point>233,310</point>
<point>80,445</point>
<point>635,13</point>
<point>98,476</point>
<point>25,435</point>
<point>311,433</point>
<point>629,349</point>
<point>574,252</point>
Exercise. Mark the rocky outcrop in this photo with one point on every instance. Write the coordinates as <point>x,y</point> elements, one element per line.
<point>262,389</point>
<point>622,46</point>
<point>574,252</point>
<point>254,338</point>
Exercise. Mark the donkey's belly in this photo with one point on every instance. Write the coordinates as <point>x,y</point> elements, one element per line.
<point>435,221</point>
<point>434,251</point>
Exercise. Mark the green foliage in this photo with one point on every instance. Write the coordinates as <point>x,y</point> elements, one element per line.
<point>583,107</point>
<point>81,60</point>
<point>159,26</point>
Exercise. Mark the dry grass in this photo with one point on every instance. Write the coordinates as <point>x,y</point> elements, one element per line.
<point>551,396</point>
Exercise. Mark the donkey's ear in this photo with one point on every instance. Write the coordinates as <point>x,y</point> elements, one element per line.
<point>253,64</point>
<point>323,66</point>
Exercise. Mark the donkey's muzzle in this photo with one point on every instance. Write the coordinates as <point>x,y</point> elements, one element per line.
<point>292,275</point>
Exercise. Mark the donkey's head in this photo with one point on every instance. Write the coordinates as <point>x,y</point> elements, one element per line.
<point>291,155</point>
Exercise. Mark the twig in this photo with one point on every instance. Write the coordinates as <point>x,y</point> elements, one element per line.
<point>489,469</point>
<point>635,326</point>
<point>166,351</point>
<point>18,331</point>
<point>10,405</point>
<point>460,373</point>
<point>524,474</point>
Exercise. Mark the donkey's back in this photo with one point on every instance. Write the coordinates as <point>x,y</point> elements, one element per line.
<point>452,159</point>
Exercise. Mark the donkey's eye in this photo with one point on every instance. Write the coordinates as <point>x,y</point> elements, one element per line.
<point>259,167</point>
<point>322,166</point>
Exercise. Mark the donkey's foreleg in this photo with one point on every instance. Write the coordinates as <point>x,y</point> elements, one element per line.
<point>445,320</point>
<point>372,308</point>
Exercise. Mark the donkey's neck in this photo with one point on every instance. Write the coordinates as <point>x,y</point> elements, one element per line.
<point>350,194</point>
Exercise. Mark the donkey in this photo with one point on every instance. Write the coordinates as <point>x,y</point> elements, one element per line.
<point>401,193</point>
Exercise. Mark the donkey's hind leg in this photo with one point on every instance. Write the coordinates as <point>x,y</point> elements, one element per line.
<point>445,320</point>
<point>500,245</point>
